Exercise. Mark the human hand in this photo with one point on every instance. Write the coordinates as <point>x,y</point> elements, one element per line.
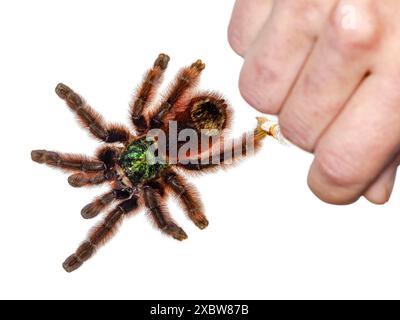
<point>331,70</point>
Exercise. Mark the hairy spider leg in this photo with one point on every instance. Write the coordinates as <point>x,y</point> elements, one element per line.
<point>92,209</point>
<point>187,196</point>
<point>67,161</point>
<point>248,144</point>
<point>81,179</point>
<point>146,92</point>
<point>186,79</point>
<point>108,155</point>
<point>100,234</point>
<point>158,211</point>
<point>90,119</point>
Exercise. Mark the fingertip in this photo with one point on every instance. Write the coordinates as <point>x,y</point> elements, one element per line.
<point>380,191</point>
<point>378,197</point>
<point>330,184</point>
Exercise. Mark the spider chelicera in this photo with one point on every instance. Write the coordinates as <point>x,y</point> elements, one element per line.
<point>124,160</point>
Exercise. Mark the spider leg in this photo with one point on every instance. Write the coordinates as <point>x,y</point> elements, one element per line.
<point>92,209</point>
<point>161,217</point>
<point>67,161</point>
<point>90,119</point>
<point>238,149</point>
<point>186,79</point>
<point>108,155</point>
<point>99,235</point>
<point>146,92</point>
<point>81,179</point>
<point>187,196</point>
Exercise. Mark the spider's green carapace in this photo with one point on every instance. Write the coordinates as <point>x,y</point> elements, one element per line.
<point>139,161</point>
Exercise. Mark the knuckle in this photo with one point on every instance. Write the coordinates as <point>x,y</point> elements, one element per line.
<point>352,28</point>
<point>304,10</point>
<point>263,73</point>
<point>254,80</point>
<point>235,39</point>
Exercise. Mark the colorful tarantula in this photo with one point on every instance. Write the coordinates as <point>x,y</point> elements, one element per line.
<point>124,160</point>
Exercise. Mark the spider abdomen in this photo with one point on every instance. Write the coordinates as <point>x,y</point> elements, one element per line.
<point>139,161</point>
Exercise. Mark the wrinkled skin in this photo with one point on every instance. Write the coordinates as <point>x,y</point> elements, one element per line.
<point>331,70</point>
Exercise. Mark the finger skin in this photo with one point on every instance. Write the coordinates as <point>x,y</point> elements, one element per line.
<point>276,57</point>
<point>381,189</point>
<point>246,21</point>
<point>336,67</point>
<point>351,119</point>
<point>360,144</point>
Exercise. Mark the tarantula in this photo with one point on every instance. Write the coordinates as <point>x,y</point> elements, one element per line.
<point>124,160</point>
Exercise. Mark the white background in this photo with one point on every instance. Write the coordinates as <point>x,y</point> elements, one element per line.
<point>269,237</point>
